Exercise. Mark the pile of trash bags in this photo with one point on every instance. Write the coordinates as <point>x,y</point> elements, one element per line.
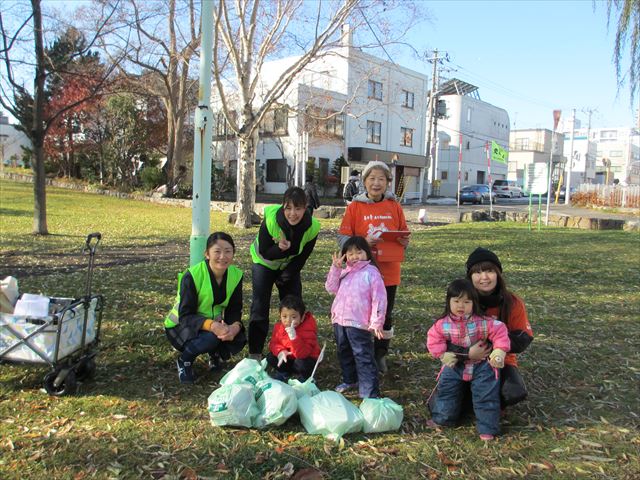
<point>249,397</point>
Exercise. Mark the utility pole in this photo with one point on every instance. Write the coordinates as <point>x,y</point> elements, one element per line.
<point>567,189</point>
<point>589,112</point>
<point>432,135</point>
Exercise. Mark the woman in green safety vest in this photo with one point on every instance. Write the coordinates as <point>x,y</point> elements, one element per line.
<point>206,316</point>
<point>285,240</point>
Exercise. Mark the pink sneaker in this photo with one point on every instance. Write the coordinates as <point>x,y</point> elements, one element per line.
<point>486,437</point>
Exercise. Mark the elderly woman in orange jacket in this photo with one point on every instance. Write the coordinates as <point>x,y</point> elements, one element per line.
<point>369,215</point>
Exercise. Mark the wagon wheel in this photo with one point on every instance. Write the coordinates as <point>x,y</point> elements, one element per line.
<point>86,369</point>
<point>60,386</point>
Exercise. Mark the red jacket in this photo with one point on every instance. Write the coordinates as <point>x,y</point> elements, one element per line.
<point>306,343</point>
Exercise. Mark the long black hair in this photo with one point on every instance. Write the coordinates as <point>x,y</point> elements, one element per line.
<point>458,288</point>
<point>361,244</point>
<point>502,293</point>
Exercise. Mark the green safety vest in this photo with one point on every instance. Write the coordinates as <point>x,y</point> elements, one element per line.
<point>274,230</point>
<point>202,280</point>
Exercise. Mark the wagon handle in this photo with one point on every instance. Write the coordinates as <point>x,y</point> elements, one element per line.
<point>91,248</point>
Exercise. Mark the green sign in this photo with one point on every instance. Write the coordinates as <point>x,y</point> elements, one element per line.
<point>498,154</point>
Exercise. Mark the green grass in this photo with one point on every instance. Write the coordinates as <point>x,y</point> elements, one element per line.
<point>134,420</point>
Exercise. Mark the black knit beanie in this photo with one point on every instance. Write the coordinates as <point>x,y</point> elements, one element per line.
<point>480,255</point>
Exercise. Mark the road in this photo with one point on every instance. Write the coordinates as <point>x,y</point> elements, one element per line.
<point>445,210</point>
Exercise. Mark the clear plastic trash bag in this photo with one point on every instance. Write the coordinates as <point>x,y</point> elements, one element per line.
<point>381,415</point>
<point>330,414</point>
<point>308,387</point>
<point>233,404</point>
<point>276,402</point>
<point>246,370</point>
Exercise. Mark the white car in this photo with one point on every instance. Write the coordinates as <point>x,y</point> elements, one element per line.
<point>507,188</point>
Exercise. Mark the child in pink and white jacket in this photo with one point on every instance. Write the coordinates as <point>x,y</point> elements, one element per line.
<point>462,325</point>
<point>357,314</point>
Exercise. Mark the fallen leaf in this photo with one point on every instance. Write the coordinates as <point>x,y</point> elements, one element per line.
<point>308,474</point>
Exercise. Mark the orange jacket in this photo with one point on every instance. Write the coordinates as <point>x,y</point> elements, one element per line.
<point>518,320</point>
<point>364,218</point>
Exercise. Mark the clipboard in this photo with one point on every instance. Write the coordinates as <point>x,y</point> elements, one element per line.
<point>389,250</point>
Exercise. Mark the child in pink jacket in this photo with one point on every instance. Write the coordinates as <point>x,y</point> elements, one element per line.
<point>357,314</point>
<point>462,325</point>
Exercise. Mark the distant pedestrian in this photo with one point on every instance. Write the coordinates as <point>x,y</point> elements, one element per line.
<point>352,187</point>
<point>313,201</point>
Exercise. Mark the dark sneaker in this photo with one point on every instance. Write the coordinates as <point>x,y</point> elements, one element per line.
<point>185,372</point>
<point>381,362</point>
<point>216,363</point>
<point>255,356</point>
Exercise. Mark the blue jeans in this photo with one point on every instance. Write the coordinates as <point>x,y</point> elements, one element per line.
<point>262,282</point>
<point>485,394</point>
<point>207,342</point>
<point>357,360</point>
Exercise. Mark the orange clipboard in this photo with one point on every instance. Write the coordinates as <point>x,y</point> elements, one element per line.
<point>389,250</point>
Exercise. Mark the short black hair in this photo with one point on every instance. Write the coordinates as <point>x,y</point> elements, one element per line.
<point>355,173</point>
<point>296,196</point>
<point>458,288</point>
<point>215,236</point>
<point>293,302</point>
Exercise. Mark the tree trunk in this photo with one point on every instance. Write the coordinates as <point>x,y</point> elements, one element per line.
<point>247,194</point>
<point>178,132</point>
<point>37,133</point>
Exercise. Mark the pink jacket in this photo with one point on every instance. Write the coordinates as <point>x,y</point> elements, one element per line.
<point>464,332</point>
<point>361,299</point>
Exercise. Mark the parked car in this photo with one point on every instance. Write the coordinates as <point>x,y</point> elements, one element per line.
<point>475,194</point>
<point>507,188</point>
<point>572,191</point>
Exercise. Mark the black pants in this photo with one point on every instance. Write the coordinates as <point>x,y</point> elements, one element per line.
<point>207,342</point>
<point>262,283</point>
<point>381,347</point>
<point>299,367</point>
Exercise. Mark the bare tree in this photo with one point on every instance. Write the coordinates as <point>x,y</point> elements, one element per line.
<point>249,33</point>
<point>15,96</point>
<point>246,33</point>
<point>159,41</point>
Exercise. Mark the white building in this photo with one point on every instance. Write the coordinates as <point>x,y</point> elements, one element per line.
<point>529,148</point>
<point>11,142</point>
<point>602,155</point>
<point>474,124</point>
<point>352,105</point>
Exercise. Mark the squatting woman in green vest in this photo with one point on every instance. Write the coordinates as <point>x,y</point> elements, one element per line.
<point>285,240</point>
<point>206,317</point>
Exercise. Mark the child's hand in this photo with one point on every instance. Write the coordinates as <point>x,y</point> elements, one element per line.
<point>496,359</point>
<point>449,359</point>
<point>371,240</point>
<point>291,331</point>
<point>479,350</point>
<point>283,243</point>
<point>282,356</point>
<point>338,260</point>
<point>379,333</point>
<point>404,241</point>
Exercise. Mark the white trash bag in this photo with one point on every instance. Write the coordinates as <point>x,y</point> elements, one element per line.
<point>330,414</point>
<point>276,402</point>
<point>233,405</point>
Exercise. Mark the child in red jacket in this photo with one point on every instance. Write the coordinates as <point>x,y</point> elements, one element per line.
<point>294,345</point>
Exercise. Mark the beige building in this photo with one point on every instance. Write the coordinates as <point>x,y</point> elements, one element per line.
<point>533,146</point>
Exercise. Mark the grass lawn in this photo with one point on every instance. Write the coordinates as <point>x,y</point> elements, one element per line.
<point>134,420</point>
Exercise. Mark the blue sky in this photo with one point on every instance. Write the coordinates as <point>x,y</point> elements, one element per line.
<point>530,57</point>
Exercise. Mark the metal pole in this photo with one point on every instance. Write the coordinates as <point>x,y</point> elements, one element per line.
<point>459,172</point>
<point>431,113</point>
<point>201,204</point>
<point>486,147</point>
<point>567,189</point>
<point>556,119</point>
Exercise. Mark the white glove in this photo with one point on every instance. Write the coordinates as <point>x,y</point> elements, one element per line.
<point>291,331</point>
<point>282,356</point>
<point>496,359</point>
<point>449,359</point>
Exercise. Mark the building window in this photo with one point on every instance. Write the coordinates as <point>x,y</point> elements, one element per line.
<point>373,131</point>
<point>221,127</point>
<point>522,144</point>
<point>275,122</point>
<point>468,114</point>
<point>374,90</point>
<point>323,168</point>
<point>324,123</point>
<point>407,99</point>
<point>615,153</point>
<point>608,135</point>
<point>466,176</point>
<point>277,170</point>
<point>406,137</point>
<point>468,145</point>
<point>444,175</point>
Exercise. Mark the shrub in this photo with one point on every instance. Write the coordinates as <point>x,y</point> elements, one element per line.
<point>152,177</point>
